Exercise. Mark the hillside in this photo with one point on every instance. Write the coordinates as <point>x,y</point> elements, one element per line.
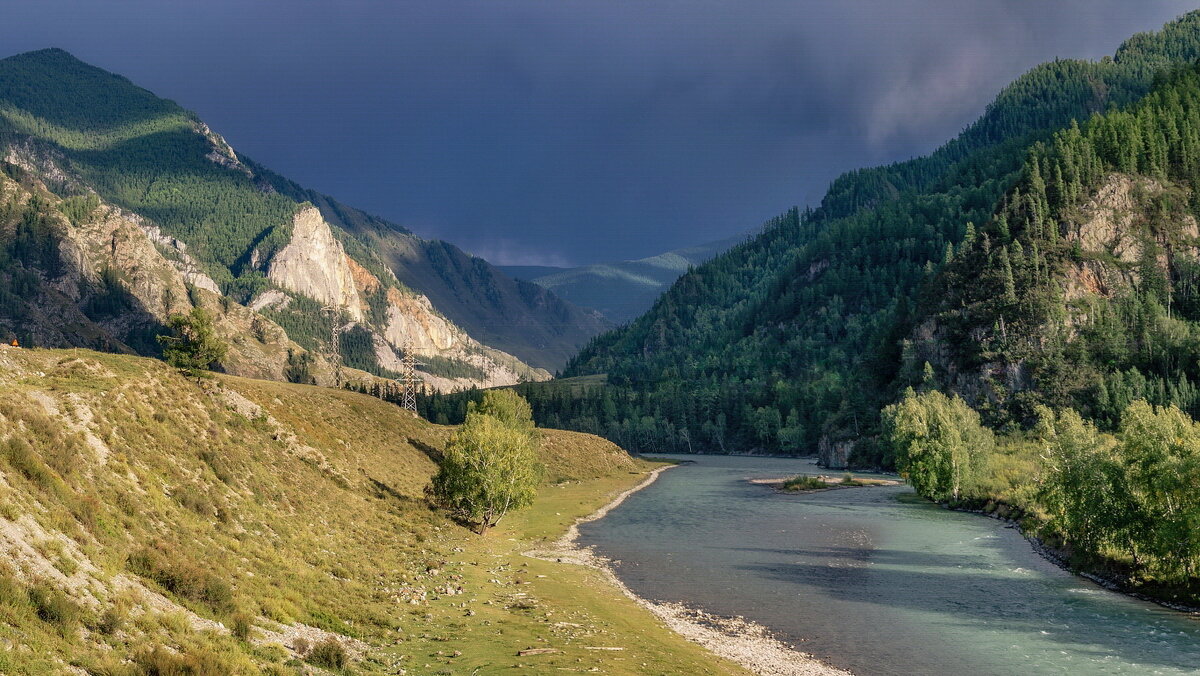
<point>139,209</point>
<point>235,525</point>
<point>621,291</point>
<point>1082,288</point>
<point>794,340</point>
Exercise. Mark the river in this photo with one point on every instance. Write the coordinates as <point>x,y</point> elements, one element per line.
<point>877,581</point>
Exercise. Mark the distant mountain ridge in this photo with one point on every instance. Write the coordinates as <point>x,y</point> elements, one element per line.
<point>136,209</point>
<point>621,291</point>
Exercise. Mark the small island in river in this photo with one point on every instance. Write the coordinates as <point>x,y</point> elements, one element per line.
<point>820,482</point>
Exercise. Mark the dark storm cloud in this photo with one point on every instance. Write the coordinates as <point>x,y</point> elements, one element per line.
<point>572,132</point>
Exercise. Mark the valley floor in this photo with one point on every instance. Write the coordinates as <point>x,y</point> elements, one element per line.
<point>576,613</point>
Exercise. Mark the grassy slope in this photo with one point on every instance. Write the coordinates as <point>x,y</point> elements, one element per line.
<point>138,508</point>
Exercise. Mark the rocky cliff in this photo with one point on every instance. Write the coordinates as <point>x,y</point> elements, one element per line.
<point>518,317</point>
<point>314,264</point>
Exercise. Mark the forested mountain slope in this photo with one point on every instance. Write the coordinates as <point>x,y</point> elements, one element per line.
<point>137,209</point>
<point>1084,289</point>
<point>796,338</point>
<point>621,291</point>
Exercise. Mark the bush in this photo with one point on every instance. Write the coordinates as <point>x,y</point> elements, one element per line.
<point>240,625</point>
<point>804,482</point>
<point>111,620</point>
<point>55,607</point>
<point>182,577</point>
<point>201,662</point>
<point>24,459</point>
<point>328,654</point>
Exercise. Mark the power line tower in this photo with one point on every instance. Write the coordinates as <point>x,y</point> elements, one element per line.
<point>408,378</point>
<point>335,330</point>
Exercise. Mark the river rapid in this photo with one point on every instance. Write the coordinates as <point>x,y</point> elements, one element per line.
<point>877,581</point>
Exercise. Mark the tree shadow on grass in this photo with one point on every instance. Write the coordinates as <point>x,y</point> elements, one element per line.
<point>433,453</point>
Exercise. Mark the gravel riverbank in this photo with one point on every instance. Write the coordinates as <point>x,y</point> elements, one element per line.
<point>739,640</point>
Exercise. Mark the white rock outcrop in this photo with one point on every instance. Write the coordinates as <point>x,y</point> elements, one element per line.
<point>314,264</point>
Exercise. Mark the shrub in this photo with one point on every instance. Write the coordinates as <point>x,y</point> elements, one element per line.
<point>55,607</point>
<point>182,577</point>
<point>240,625</point>
<point>197,662</point>
<point>21,456</point>
<point>12,592</point>
<point>194,499</point>
<point>111,620</point>
<point>804,482</point>
<point>328,654</point>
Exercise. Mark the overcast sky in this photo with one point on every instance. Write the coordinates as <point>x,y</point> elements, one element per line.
<point>569,132</point>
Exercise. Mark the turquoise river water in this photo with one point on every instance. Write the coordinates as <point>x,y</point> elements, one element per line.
<point>877,581</point>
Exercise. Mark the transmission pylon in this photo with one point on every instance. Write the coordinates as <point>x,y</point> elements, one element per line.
<point>335,329</point>
<point>408,378</point>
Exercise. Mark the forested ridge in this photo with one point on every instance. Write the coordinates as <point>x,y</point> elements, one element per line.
<point>143,153</point>
<point>805,332</point>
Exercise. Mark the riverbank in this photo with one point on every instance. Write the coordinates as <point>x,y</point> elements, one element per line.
<point>534,615</point>
<point>736,639</point>
<point>1107,576</point>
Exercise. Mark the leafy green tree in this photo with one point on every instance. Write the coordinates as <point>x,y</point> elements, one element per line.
<point>508,407</point>
<point>1161,449</point>
<point>1082,485</point>
<point>195,347</point>
<point>490,466</point>
<point>938,441</point>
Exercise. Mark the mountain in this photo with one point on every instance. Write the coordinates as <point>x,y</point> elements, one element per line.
<point>122,208</point>
<point>620,291</point>
<point>509,314</point>
<point>793,341</point>
<point>1081,291</point>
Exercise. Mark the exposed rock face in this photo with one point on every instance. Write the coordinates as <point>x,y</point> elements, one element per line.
<point>1113,230</point>
<point>160,280</point>
<point>412,321</point>
<point>222,153</point>
<point>834,454</point>
<point>177,254</point>
<point>1116,222</point>
<point>411,318</point>
<point>315,264</point>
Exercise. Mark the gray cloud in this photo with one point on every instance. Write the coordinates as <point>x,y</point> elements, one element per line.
<point>580,131</point>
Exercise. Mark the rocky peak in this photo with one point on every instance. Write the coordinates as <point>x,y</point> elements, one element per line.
<point>315,264</point>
